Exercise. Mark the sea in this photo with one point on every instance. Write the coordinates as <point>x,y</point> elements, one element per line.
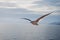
<point>10,31</point>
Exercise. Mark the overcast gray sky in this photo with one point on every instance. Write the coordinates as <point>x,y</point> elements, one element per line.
<point>10,10</point>
<point>42,6</point>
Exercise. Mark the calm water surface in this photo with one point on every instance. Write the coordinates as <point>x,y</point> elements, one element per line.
<point>29,32</point>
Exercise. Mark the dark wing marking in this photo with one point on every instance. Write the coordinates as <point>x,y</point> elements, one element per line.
<point>43,16</point>
<point>26,19</point>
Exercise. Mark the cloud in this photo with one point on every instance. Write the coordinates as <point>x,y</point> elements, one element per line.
<point>42,6</point>
<point>37,6</point>
<point>55,23</point>
<point>46,6</point>
<point>7,0</point>
<point>16,11</point>
<point>25,3</point>
<point>48,2</point>
<point>7,4</point>
<point>53,2</point>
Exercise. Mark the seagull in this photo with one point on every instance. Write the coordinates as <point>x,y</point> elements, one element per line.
<point>35,22</point>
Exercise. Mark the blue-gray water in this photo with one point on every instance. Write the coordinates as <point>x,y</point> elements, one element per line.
<point>29,32</point>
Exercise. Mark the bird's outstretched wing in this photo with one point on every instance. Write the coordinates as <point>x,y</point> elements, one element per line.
<point>43,16</point>
<point>26,19</point>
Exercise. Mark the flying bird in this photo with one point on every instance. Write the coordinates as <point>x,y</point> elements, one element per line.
<point>35,22</point>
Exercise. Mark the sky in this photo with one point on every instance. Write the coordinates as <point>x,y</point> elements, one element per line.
<point>33,5</point>
<point>12,10</point>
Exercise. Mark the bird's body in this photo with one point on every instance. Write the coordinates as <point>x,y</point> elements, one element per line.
<point>35,22</point>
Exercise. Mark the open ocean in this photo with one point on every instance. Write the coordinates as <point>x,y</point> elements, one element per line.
<point>29,32</point>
